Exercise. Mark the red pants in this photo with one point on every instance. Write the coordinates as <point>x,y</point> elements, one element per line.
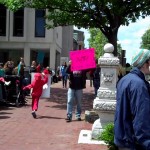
<point>35,102</point>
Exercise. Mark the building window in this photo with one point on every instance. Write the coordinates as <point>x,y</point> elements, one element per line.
<point>18,27</point>
<point>2,20</point>
<point>40,22</point>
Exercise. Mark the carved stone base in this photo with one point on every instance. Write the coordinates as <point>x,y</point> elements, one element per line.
<point>105,110</point>
<point>105,117</point>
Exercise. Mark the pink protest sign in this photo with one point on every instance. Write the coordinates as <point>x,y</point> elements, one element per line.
<point>82,59</point>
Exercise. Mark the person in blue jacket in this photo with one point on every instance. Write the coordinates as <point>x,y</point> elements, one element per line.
<point>132,116</point>
<point>64,74</point>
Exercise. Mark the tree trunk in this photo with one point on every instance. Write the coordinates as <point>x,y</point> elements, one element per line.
<point>112,38</point>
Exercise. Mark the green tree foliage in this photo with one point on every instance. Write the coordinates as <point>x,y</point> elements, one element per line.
<point>97,40</point>
<point>107,15</point>
<point>146,40</point>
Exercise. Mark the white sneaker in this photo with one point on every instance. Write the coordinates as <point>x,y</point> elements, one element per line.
<point>7,83</point>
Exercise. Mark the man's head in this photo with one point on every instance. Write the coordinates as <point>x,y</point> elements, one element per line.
<point>141,60</point>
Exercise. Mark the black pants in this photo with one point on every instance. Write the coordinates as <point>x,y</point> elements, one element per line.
<point>64,81</point>
<point>3,90</point>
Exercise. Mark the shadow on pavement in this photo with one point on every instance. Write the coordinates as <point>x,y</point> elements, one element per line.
<point>59,96</point>
<point>48,117</point>
<point>5,113</point>
<point>4,117</point>
<point>6,107</point>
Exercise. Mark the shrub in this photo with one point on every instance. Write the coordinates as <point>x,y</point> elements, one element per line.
<point>107,135</point>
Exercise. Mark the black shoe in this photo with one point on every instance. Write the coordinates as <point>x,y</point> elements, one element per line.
<point>68,119</point>
<point>79,119</point>
<point>34,114</point>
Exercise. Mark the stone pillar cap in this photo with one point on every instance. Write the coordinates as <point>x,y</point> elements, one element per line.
<point>108,49</point>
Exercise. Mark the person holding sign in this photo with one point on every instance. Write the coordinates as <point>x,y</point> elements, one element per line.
<point>37,85</point>
<point>77,82</point>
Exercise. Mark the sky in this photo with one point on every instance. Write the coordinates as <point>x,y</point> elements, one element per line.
<point>128,36</point>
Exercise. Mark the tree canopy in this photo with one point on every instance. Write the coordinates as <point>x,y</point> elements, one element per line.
<point>107,15</point>
<point>146,40</point>
<point>97,40</point>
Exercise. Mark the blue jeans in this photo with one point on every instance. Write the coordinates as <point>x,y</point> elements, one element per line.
<point>64,81</point>
<point>77,96</point>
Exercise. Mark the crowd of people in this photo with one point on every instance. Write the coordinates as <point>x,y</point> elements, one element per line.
<point>76,81</point>
<point>131,128</point>
<point>9,68</point>
<point>20,71</point>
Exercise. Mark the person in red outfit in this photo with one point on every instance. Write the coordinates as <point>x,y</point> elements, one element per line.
<point>2,80</point>
<point>37,86</point>
<point>47,71</point>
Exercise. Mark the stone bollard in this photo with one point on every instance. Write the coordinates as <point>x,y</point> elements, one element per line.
<point>105,102</point>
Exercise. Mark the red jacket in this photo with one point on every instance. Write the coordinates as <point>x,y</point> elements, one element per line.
<point>46,71</point>
<point>37,84</point>
<point>2,79</point>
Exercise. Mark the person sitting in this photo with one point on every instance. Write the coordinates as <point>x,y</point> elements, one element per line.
<point>2,72</point>
<point>33,66</point>
<point>9,68</point>
<point>2,87</point>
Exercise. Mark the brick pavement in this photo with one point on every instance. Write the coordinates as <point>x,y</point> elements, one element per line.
<point>19,131</point>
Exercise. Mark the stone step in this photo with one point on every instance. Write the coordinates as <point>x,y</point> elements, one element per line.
<point>91,116</point>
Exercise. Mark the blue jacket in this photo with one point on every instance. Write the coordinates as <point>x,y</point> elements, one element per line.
<point>132,116</point>
<point>63,70</point>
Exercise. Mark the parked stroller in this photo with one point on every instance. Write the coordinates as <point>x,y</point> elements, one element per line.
<point>14,93</point>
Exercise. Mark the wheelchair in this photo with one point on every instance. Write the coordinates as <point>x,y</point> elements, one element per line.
<point>14,93</point>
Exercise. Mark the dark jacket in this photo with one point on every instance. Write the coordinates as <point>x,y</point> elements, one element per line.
<point>77,79</point>
<point>9,71</point>
<point>132,116</point>
<point>96,77</point>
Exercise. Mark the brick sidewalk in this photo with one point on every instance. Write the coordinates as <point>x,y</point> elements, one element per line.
<point>19,131</point>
